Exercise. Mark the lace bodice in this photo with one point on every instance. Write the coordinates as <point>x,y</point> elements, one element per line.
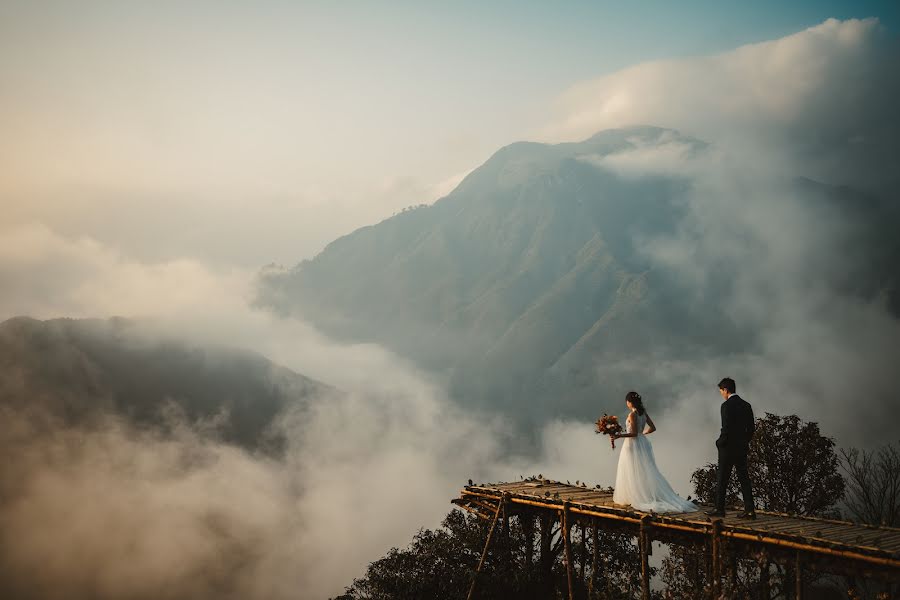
<point>639,422</point>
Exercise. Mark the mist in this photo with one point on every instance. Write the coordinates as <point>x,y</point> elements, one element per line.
<point>785,267</point>
<point>113,510</point>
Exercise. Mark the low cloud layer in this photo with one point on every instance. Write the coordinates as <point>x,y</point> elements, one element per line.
<point>818,103</point>
<point>110,510</point>
<point>116,513</point>
<point>789,262</point>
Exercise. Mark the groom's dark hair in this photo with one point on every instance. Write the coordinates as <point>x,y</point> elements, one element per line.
<point>728,385</point>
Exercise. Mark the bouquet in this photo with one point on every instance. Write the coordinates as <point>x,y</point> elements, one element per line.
<point>609,425</point>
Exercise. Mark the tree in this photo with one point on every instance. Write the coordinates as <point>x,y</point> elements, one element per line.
<point>795,470</point>
<point>437,564</point>
<point>796,463</point>
<point>873,484</point>
<point>522,563</point>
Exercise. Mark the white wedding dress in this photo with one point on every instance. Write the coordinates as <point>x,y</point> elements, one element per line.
<point>638,481</point>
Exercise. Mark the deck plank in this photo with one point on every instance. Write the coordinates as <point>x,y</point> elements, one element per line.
<point>816,535</point>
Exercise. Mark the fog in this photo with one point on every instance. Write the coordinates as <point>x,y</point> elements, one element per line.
<point>785,270</point>
<point>817,103</point>
<point>115,512</point>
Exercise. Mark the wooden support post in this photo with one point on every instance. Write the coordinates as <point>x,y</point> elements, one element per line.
<point>732,573</point>
<point>716,558</point>
<point>527,521</point>
<point>609,586</point>
<point>546,559</point>
<point>568,547</point>
<point>692,560</point>
<point>596,541</point>
<point>506,536</point>
<point>798,576</point>
<point>644,544</point>
<point>487,544</point>
<point>583,555</point>
<point>764,590</point>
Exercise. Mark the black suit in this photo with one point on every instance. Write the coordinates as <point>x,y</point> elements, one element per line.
<point>738,426</point>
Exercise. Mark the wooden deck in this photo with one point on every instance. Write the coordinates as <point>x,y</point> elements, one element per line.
<point>853,544</point>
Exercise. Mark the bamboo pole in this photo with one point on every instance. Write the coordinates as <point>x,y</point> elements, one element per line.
<point>764,590</point>
<point>716,558</point>
<point>583,555</point>
<point>568,548</point>
<point>609,593</point>
<point>798,576</point>
<point>487,544</point>
<point>644,543</point>
<point>755,537</point>
<point>547,519</point>
<point>474,511</point>
<point>760,513</point>
<point>527,521</point>
<point>505,531</point>
<point>596,541</point>
<point>484,505</point>
<point>732,573</point>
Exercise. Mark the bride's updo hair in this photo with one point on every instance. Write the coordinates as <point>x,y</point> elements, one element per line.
<point>636,401</point>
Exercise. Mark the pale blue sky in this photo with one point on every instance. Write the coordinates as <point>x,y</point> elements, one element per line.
<point>330,114</point>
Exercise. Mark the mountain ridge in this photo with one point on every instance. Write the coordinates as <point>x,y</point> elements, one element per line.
<point>534,272</point>
<point>82,369</point>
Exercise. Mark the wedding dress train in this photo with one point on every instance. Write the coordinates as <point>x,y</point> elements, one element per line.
<point>638,480</point>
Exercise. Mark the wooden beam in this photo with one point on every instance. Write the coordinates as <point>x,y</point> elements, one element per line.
<point>701,529</point>
<point>474,511</point>
<point>644,545</point>
<point>568,546</point>
<point>527,522</point>
<point>487,544</point>
<point>716,558</point>
<point>764,587</point>
<point>596,541</point>
<point>583,555</point>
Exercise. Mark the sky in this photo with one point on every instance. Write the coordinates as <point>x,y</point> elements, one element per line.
<point>154,156</point>
<point>243,134</point>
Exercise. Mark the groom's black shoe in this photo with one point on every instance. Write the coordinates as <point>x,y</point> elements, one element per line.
<point>715,513</point>
<point>747,515</point>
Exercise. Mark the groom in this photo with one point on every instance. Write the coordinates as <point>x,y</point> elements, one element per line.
<point>733,444</point>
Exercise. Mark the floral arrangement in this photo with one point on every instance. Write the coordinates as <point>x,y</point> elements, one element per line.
<point>609,425</point>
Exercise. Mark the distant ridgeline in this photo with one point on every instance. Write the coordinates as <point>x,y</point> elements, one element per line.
<point>78,370</point>
<point>531,273</point>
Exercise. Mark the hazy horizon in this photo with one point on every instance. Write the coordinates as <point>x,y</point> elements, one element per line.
<point>156,157</point>
<point>170,132</point>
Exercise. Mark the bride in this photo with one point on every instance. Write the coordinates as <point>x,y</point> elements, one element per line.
<point>638,481</point>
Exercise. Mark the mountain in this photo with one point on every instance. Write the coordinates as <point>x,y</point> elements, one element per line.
<point>522,285</point>
<point>81,369</point>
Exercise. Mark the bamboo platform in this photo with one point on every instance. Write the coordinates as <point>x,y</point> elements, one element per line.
<point>843,546</point>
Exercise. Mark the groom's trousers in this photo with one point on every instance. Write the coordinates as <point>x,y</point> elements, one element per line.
<point>738,462</point>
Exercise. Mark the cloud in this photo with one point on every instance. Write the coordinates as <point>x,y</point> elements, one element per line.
<point>111,511</point>
<point>115,512</point>
<point>667,156</point>
<point>788,263</point>
<point>48,275</point>
<point>816,103</point>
